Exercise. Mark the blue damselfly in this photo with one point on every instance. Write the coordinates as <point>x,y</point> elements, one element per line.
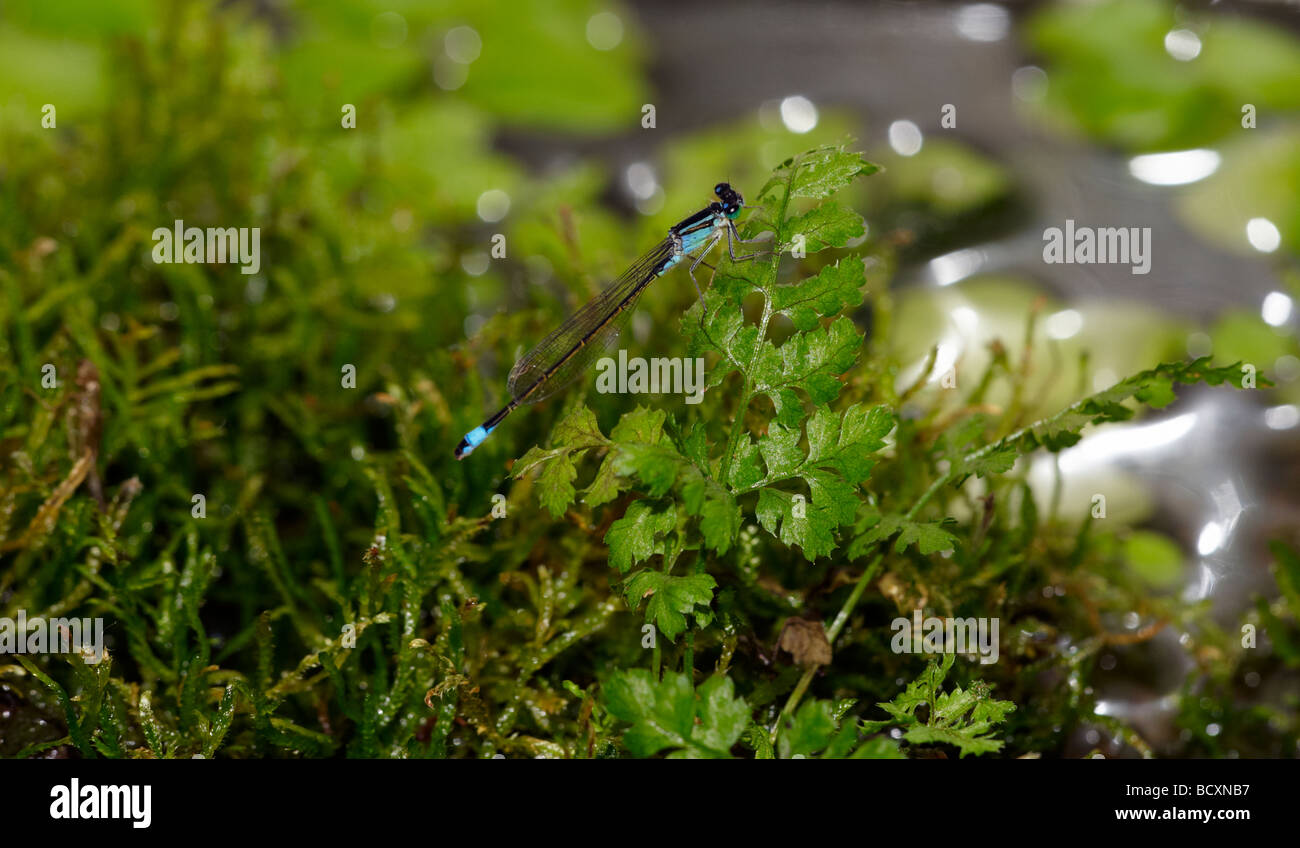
<point>569,351</point>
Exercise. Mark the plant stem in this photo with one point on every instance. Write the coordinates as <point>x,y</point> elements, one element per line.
<point>841,618</point>
<point>738,425</point>
<point>938,484</point>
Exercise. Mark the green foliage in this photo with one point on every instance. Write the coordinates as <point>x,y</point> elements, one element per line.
<point>821,729</point>
<point>1111,75</point>
<point>694,487</point>
<point>351,589</point>
<point>669,597</point>
<point>928,537</point>
<point>1286,571</point>
<point>801,478</point>
<point>1211,709</point>
<point>964,719</point>
<point>709,478</point>
<point>672,715</point>
<point>1154,557</point>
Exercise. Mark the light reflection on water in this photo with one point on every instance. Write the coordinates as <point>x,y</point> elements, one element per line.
<point>1199,469</point>
<point>1177,168</point>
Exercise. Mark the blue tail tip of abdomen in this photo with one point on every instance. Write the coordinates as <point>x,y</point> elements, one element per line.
<point>472,439</point>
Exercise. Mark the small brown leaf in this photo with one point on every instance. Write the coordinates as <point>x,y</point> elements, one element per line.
<point>805,641</point>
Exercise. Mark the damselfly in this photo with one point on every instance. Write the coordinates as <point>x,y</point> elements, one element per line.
<point>566,353</point>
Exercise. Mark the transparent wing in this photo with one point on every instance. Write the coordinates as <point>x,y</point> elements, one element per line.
<point>567,353</point>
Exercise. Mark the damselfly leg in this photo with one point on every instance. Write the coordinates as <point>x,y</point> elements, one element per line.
<point>699,260</point>
<point>733,236</point>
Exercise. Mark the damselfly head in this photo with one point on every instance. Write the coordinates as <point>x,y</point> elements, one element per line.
<point>731,199</point>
